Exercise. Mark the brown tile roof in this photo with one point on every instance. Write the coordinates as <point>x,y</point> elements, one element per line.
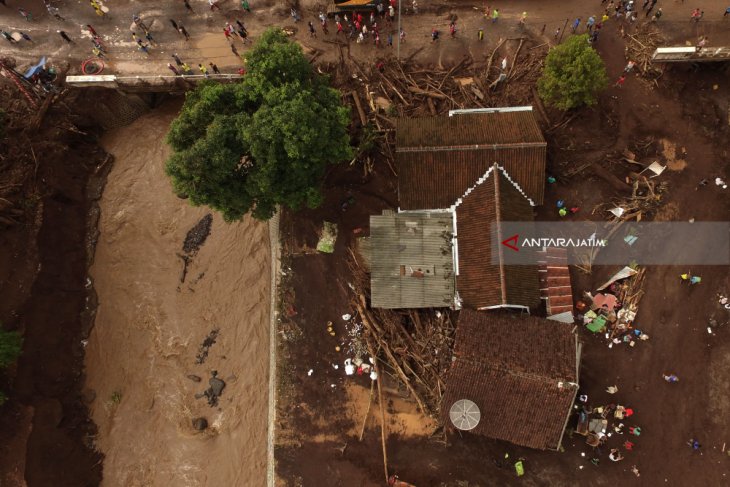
<point>469,129</point>
<point>555,285</point>
<point>482,282</point>
<point>439,158</point>
<point>521,372</point>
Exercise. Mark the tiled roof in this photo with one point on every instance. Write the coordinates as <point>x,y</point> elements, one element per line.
<point>440,157</point>
<point>555,286</point>
<point>501,128</point>
<point>520,371</point>
<point>483,281</point>
<point>411,260</point>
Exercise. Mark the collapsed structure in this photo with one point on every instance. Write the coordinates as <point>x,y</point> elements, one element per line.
<point>514,376</point>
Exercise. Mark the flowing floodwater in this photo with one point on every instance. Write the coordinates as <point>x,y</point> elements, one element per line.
<point>150,327</point>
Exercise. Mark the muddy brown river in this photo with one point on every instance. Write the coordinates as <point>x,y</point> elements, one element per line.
<point>150,327</point>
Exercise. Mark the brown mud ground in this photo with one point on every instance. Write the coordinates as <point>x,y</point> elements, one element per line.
<point>317,416</point>
<point>45,433</point>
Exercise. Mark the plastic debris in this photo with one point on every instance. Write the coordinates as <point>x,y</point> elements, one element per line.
<point>347,317</point>
<point>311,371</point>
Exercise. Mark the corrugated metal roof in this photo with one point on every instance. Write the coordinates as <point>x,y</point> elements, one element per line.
<point>521,373</point>
<point>440,157</point>
<point>411,264</point>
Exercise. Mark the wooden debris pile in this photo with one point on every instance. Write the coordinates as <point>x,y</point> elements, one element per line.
<point>412,346</point>
<point>631,290</point>
<point>640,47</point>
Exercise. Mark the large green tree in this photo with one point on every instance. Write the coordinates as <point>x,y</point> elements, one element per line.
<point>573,75</point>
<point>262,142</point>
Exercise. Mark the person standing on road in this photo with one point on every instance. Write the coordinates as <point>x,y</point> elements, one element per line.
<point>186,69</point>
<point>188,7</point>
<point>143,47</point>
<point>26,37</point>
<point>26,15</point>
<point>590,23</point>
<point>183,31</point>
<point>53,11</point>
<point>495,15</point>
<point>173,69</point>
<point>452,29</point>
<point>234,50</point>
<point>557,33</point>
<point>213,5</point>
<point>91,30</point>
<point>727,12</point>
<point>177,59</point>
<point>651,7</point>
<point>245,6</point>
<point>629,66</point>
<point>174,25</point>
<point>214,68</point>
<point>7,36</point>
<point>576,23</point>
<point>480,34</point>
<point>64,36</point>
<point>312,30</point>
<point>694,444</point>
<point>203,70</point>
<point>402,36</point>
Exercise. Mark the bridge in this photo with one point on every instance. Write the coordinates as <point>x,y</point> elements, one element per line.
<point>148,83</point>
<point>690,54</point>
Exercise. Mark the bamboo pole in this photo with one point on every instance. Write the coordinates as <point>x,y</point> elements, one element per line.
<point>382,410</point>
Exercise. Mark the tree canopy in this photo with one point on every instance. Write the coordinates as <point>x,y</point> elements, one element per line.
<point>573,75</point>
<point>263,142</point>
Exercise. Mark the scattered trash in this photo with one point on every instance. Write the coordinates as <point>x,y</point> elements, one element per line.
<point>311,371</point>
<point>617,212</point>
<point>721,183</point>
<point>347,317</point>
<point>349,367</point>
<point>612,389</point>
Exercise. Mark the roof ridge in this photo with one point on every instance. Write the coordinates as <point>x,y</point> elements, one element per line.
<point>500,254</point>
<point>534,376</point>
<point>483,178</point>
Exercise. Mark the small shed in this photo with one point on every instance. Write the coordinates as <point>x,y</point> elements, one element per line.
<point>520,371</point>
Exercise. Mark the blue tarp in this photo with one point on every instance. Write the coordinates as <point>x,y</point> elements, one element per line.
<point>34,69</point>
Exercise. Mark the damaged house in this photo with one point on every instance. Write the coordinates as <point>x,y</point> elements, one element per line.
<point>458,178</point>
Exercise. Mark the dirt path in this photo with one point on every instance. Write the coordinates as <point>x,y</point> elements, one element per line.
<point>150,327</point>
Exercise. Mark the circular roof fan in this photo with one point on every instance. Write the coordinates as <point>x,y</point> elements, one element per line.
<point>464,414</point>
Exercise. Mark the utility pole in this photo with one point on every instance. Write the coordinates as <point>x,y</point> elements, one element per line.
<point>563,31</point>
<point>398,33</point>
